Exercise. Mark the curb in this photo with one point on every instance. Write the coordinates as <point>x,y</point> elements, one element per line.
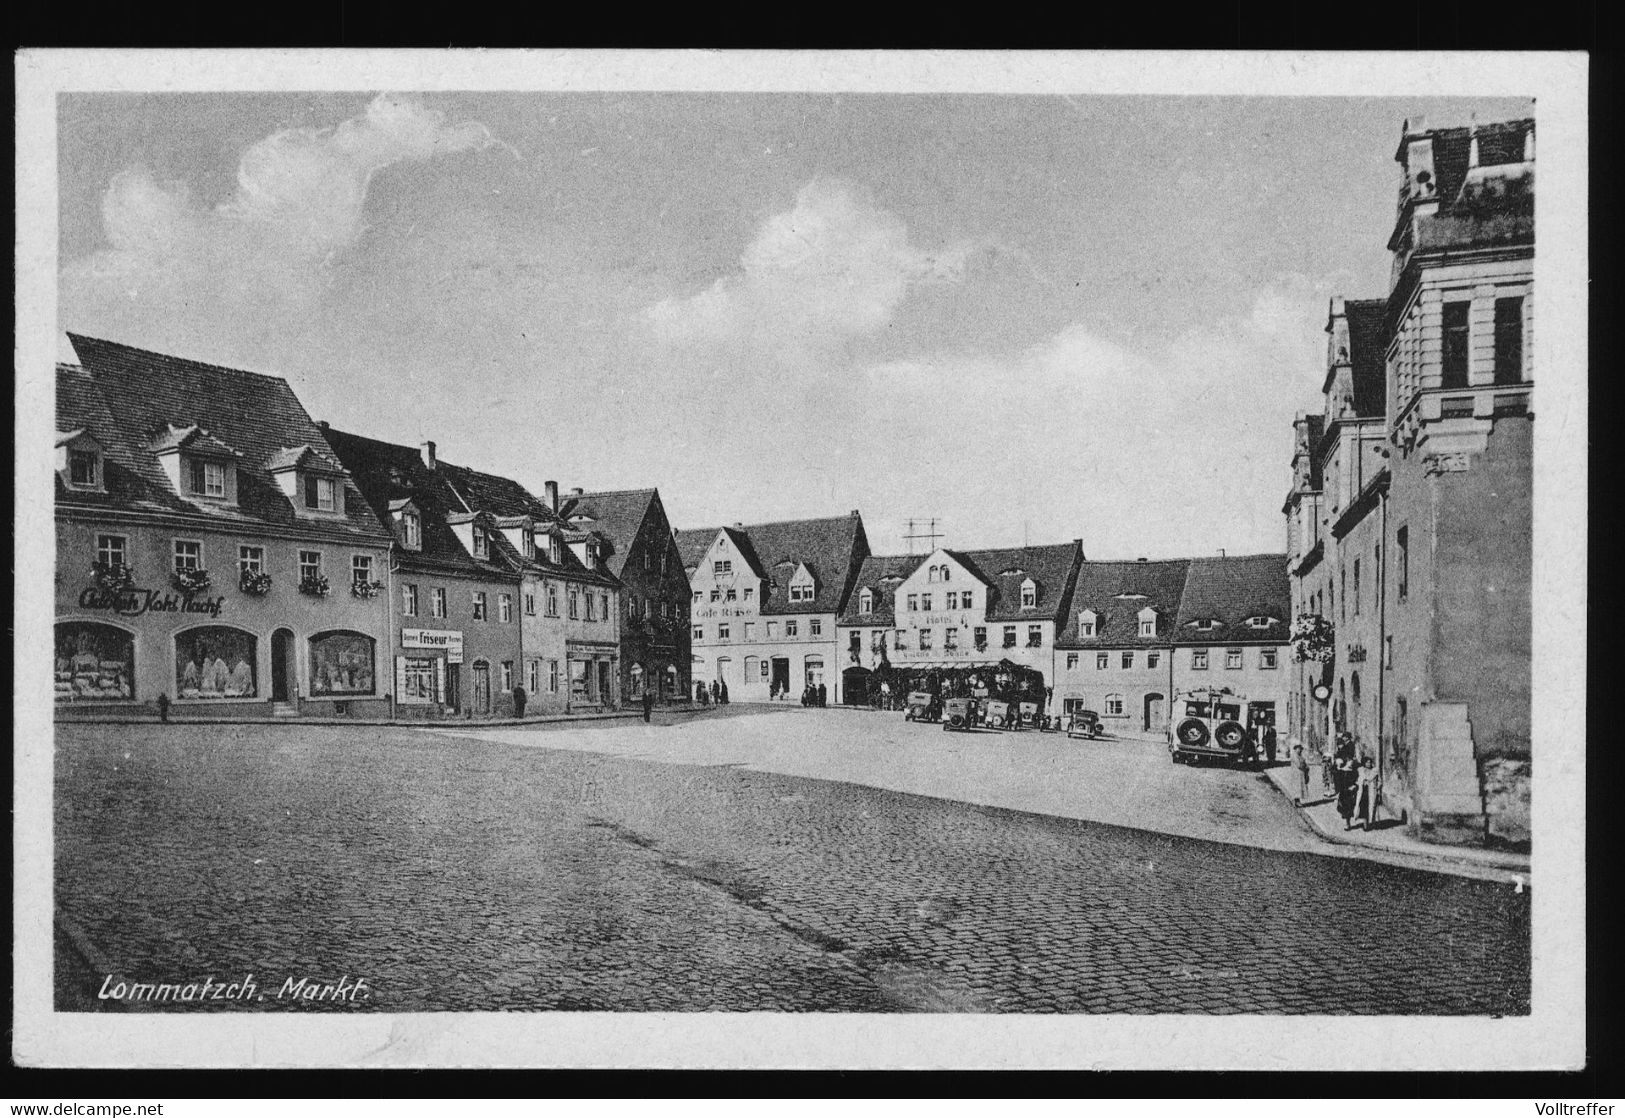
<point>410,724</point>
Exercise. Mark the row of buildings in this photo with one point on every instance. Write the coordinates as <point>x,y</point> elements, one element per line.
<point>1409,518</point>
<point>782,607</point>
<point>219,548</point>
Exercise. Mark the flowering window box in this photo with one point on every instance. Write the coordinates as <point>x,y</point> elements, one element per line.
<point>255,583</point>
<point>314,585</point>
<point>363,588</point>
<point>1313,638</point>
<point>190,580</point>
<point>112,576</point>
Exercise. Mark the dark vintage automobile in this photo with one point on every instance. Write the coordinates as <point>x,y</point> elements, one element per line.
<point>922,706</point>
<point>1209,725</point>
<point>1030,716</point>
<point>999,715</point>
<point>959,714</point>
<point>1083,724</point>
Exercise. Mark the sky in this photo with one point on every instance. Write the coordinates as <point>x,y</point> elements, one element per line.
<point>1034,318</point>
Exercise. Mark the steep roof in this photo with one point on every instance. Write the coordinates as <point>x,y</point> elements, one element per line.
<point>127,396</point>
<point>1117,592</point>
<point>1231,589</point>
<point>1370,367</point>
<point>503,498</point>
<point>388,473</point>
<point>832,548</point>
<point>881,575</point>
<point>618,516</point>
<point>1051,566</point>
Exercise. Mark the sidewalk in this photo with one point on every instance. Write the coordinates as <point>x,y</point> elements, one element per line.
<point>131,718</point>
<point>1322,818</point>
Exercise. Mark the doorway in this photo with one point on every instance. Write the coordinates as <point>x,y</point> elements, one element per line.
<point>605,692</point>
<point>781,675</point>
<point>282,685</point>
<point>1153,711</point>
<point>482,687</point>
<point>454,687</point>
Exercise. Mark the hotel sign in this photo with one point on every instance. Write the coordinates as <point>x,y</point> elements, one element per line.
<point>449,641</point>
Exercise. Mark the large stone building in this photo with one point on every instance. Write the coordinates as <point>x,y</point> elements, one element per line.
<point>211,548</point>
<point>642,553</point>
<point>765,599</point>
<point>1114,654</point>
<point>1435,626</point>
<point>867,626</point>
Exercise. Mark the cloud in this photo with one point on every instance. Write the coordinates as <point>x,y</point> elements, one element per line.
<point>834,266</point>
<point>177,271</point>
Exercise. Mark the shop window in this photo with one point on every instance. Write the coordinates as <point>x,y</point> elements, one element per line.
<point>341,664</point>
<point>417,681</point>
<point>215,662</point>
<point>93,662</point>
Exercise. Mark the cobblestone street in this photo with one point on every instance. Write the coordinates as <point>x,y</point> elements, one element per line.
<point>461,875</point>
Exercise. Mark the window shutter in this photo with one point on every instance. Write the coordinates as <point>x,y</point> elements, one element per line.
<point>400,679</point>
<point>310,491</point>
<point>439,680</point>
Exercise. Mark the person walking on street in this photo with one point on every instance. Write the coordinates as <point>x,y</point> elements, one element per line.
<point>648,703</point>
<point>1300,761</point>
<point>1269,744</point>
<point>1345,782</point>
<point>1365,802</point>
<point>823,695</point>
<point>722,692</point>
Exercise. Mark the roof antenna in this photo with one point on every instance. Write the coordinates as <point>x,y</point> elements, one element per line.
<point>930,534</point>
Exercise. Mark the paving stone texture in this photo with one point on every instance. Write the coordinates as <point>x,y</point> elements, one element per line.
<point>547,874</point>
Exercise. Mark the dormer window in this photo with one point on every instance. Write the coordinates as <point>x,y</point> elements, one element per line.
<point>1148,622</point>
<point>321,493</point>
<point>1086,623</point>
<point>1205,625</point>
<point>1029,594</point>
<point>555,552</point>
<point>84,469</point>
<point>482,546</point>
<point>208,478</point>
<point>866,602</point>
<point>592,553</point>
<point>1259,622</point>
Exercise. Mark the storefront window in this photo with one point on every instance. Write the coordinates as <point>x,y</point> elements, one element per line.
<point>215,662</point>
<point>93,662</point>
<point>341,664</point>
<point>417,682</point>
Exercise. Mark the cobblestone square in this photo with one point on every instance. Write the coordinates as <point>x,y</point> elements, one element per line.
<point>561,872</point>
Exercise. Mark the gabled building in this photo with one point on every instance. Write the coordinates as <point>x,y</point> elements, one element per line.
<point>963,609</point>
<point>764,602</point>
<point>866,627</point>
<point>1114,653</point>
<point>211,548</point>
<point>641,552</point>
<point>1232,630</point>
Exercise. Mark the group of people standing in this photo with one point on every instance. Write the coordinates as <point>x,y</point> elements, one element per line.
<point>815,696</point>
<point>1354,782</point>
<point>717,693</point>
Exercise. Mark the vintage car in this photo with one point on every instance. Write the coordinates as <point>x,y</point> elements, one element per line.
<point>1029,715</point>
<point>999,716</point>
<point>1083,724</point>
<point>1208,724</point>
<point>959,714</point>
<point>922,706</point>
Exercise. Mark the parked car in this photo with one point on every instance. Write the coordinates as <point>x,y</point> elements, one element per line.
<point>959,714</point>
<point>999,716</point>
<point>922,707</point>
<point>1208,724</point>
<point>1029,715</point>
<point>1084,724</point>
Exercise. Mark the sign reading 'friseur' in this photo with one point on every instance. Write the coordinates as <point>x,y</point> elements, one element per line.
<point>448,640</point>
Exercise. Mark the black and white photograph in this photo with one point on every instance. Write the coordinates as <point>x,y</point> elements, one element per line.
<point>782,559</point>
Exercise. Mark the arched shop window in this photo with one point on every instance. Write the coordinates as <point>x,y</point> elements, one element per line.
<point>94,662</point>
<point>215,662</point>
<point>341,663</point>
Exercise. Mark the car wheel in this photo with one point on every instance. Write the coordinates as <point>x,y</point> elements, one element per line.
<point>1192,732</point>
<point>1230,735</point>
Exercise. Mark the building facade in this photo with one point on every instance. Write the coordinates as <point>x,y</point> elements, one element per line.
<point>211,548</point>
<point>866,629</point>
<point>1232,629</point>
<point>764,602</point>
<point>1114,654</point>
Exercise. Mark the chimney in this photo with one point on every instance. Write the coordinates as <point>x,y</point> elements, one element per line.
<point>552,489</point>
<point>738,526</point>
<point>427,451</point>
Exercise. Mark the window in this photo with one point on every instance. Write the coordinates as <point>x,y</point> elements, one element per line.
<point>1402,539</point>
<point>1267,659</point>
<point>753,668</point>
<point>417,681</point>
<point>925,602</point>
<point>1009,636</point>
<point>866,602</point>
<point>950,638</point>
<point>1509,340</point>
<point>750,593</point>
<point>409,599</point>
<point>93,662</point>
<point>215,662</point>
<point>189,555</point>
<point>1148,626</point>
<point>575,604</point>
<point>535,677</point>
<point>592,612</point>
<point>552,600</point>
<point>913,601</point>
<point>505,608</point>
<point>603,605</point>
<point>979,636</point>
<point>1029,595</point>
<point>931,574</point>
<point>321,493</point>
<point>925,640</point>
<point>208,478</point>
<point>251,559</point>
<point>953,600</point>
<point>1356,588</point>
<point>1114,704</point>
<point>1343,587</point>
<point>1071,660</point>
<point>900,640</point>
<point>411,530</point>
<point>1198,659</point>
<point>553,676</point>
<point>341,664</point>
<point>437,602</point>
<point>772,630</point>
<point>1232,658</point>
<point>1086,624</point>
<point>750,630</point>
<point>1035,636</point>
<point>83,469</point>
<point>481,547</point>
<point>1388,652</point>
<point>1454,367</point>
<point>791,628</point>
<point>699,596</point>
<point>816,627</point>
<point>731,595</point>
<point>111,550</point>
<point>479,605</point>
<point>716,593</point>
<point>699,633</point>
<point>722,567</point>
<point>1128,660</point>
<point>530,611</point>
<point>361,570</point>
<point>801,593</point>
<point>854,642</point>
<point>1102,661</point>
<point>723,631</point>
<point>1152,659</point>
<point>965,599</point>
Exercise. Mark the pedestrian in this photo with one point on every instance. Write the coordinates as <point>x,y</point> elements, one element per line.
<point>1345,783</point>
<point>1300,761</point>
<point>823,695</point>
<point>1269,744</point>
<point>648,703</point>
<point>163,707</point>
<point>722,692</point>
<point>519,698</point>
<point>1365,803</point>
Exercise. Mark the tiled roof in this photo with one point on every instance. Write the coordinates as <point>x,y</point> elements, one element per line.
<point>1117,592</point>
<point>617,516</point>
<point>1370,367</point>
<point>1231,589</point>
<point>387,474</point>
<point>505,498</point>
<point>832,548</point>
<point>1051,566</point>
<point>880,574</point>
<point>1499,142</point>
<point>193,439</point>
<point>124,396</point>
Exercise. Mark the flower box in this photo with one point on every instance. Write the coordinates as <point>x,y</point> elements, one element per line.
<point>191,580</point>
<point>363,588</point>
<point>256,583</point>
<point>1313,638</point>
<point>314,585</point>
<point>112,576</point>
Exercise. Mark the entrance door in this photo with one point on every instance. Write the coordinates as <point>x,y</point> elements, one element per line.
<point>1153,711</point>
<point>781,675</point>
<point>855,687</point>
<point>604,692</point>
<point>482,687</point>
<point>282,665</point>
<point>454,687</point>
